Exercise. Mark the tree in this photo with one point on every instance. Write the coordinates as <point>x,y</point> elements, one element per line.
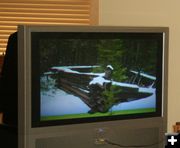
<point>110,52</point>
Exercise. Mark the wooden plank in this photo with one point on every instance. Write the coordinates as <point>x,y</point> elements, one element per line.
<point>84,97</point>
<point>1,62</point>
<point>1,118</point>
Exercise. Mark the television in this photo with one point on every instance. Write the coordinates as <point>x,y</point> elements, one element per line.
<point>98,77</point>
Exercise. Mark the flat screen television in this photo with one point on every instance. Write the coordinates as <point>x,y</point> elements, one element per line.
<point>91,74</point>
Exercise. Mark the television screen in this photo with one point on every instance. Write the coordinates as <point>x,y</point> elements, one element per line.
<point>89,76</point>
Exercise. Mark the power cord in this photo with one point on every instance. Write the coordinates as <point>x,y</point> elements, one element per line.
<point>133,146</point>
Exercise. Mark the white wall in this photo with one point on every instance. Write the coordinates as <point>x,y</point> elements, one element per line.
<point>151,13</point>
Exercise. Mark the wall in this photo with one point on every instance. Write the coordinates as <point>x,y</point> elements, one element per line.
<point>151,13</point>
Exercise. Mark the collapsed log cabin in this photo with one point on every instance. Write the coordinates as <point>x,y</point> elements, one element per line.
<point>76,80</point>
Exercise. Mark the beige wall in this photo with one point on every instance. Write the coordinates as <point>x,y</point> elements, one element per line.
<point>151,13</point>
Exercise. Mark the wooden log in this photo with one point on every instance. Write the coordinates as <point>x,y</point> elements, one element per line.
<point>68,87</point>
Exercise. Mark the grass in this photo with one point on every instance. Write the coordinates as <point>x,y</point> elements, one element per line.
<point>87,115</point>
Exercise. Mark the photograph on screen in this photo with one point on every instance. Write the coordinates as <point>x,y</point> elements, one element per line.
<point>94,75</point>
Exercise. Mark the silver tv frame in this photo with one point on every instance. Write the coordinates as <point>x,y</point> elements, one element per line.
<point>84,135</point>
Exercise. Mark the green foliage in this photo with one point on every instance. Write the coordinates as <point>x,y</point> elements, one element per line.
<point>110,96</point>
<point>140,54</point>
<point>110,53</point>
<point>65,52</point>
<point>123,54</point>
<point>98,69</point>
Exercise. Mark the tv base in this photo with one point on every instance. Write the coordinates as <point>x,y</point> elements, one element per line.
<point>140,132</point>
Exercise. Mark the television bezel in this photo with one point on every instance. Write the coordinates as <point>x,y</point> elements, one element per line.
<point>24,71</point>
